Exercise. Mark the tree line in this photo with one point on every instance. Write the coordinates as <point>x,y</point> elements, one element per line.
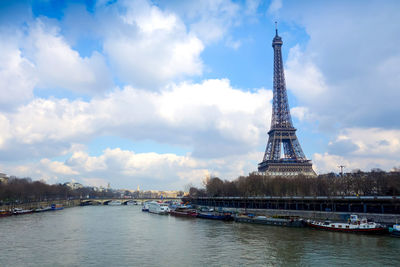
<point>24,190</point>
<point>375,182</point>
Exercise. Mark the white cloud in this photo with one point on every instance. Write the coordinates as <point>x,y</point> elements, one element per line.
<point>59,66</point>
<point>85,162</point>
<point>151,44</point>
<point>17,78</point>
<point>144,44</point>
<point>303,77</point>
<point>234,44</point>
<point>149,47</point>
<point>39,57</point>
<point>153,165</point>
<point>57,167</point>
<point>51,120</point>
<point>346,73</point>
<point>361,148</point>
<point>373,142</point>
<point>124,168</point>
<point>212,118</point>
<point>211,20</point>
<point>326,162</point>
<point>275,6</point>
<point>301,113</point>
<point>45,169</point>
<point>149,18</point>
<point>215,92</point>
<point>221,125</point>
<point>5,132</point>
<point>252,6</point>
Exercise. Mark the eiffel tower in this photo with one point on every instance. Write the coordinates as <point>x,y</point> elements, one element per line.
<point>282,133</point>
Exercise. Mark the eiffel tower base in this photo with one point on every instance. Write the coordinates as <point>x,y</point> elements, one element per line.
<point>284,168</point>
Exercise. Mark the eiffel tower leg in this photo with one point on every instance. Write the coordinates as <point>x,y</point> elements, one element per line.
<point>268,150</point>
<point>277,147</point>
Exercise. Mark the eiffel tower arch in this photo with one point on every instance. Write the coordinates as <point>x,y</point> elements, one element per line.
<point>282,133</point>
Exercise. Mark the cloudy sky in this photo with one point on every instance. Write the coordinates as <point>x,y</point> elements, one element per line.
<point>161,94</point>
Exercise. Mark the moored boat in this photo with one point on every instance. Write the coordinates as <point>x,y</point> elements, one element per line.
<point>18,211</point>
<point>215,215</point>
<point>283,221</point>
<point>43,209</point>
<point>5,213</point>
<point>145,207</point>
<point>355,225</point>
<point>184,212</point>
<point>158,208</point>
<point>395,230</point>
<point>57,206</point>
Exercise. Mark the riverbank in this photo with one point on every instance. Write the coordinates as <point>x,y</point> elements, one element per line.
<point>35,205</point>
<point>387,219</point>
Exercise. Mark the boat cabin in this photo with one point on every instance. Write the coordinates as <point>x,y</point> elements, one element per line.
<point>353,218</point>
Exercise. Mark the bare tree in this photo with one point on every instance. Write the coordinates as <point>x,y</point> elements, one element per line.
<point>376,182</point>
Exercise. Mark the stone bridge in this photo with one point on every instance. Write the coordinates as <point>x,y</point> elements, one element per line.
<point>124,201</point>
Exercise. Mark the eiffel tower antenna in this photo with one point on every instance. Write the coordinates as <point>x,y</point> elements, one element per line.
<point>282,132</point>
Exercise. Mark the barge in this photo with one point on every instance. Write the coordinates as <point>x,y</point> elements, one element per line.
<point>213,215</point>
<point>184,212</point>
<point>354,225</point>
<point>288,222</point>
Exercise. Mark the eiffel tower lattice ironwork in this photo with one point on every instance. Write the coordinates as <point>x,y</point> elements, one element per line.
<point>282,132</point>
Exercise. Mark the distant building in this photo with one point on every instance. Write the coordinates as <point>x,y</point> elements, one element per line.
<point>395,170</point>
<point>99,189</point>
<point>157,194</point>
<point>3,178</point>
<point>74,186</point>
<point>170,194</point>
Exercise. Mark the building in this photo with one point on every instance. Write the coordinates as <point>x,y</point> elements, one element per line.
<point>73,185</point>
<point>157,194</point>
<point>3,178</point>
<point>282,134</point>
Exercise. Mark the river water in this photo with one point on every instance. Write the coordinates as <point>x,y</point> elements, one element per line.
<point>126,236</point>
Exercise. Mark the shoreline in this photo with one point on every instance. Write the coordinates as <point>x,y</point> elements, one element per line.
<point>314,215</point>
<point>34,205</point>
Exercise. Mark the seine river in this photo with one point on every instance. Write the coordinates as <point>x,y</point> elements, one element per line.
<point>125,236</point>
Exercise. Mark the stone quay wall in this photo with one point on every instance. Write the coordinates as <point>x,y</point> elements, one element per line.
<point>34,205</point>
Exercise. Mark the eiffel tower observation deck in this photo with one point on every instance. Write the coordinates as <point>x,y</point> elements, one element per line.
<point>282,134</point>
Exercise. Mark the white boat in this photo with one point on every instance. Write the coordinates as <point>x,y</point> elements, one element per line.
<point>114,203</point>
<point>354,225</point>
<point>131,203</point>
<point>145,206</point>
<point>18,211</point>
<point>158,208</point>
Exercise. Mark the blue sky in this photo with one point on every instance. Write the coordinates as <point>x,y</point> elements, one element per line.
<point>162,94</point>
